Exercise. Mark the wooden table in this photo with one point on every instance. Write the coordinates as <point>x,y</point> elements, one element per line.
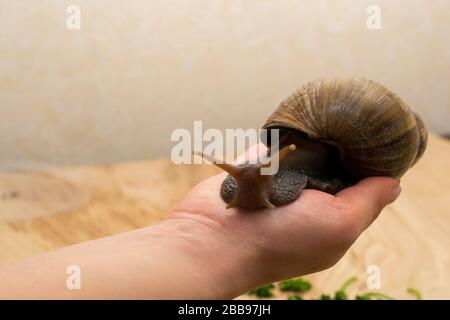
<point>52,208</point>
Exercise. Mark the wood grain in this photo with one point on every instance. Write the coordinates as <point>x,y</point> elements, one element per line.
<point>410,242</point>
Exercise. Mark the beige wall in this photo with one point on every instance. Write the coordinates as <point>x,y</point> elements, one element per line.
<point>115,89</point>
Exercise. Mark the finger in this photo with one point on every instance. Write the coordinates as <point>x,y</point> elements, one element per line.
<point>369,196</point>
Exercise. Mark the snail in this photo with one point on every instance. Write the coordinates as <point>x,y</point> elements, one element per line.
<point>332,133</point>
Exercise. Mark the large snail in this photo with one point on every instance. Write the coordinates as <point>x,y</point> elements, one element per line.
<point>333,132</point>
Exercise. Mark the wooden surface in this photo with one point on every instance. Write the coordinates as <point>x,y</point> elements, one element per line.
<point>410,242</point>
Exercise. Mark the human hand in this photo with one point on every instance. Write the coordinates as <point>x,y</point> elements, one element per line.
<point>250,248</point>
<point>204,251</point>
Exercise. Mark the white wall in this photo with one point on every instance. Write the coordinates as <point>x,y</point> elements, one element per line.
<point>115,90</point>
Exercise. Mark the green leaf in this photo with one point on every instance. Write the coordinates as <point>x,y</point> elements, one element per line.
<point>340,295</point>
<point>347,283</point>
<point>415,293</point>
<point>264,291</point>
<point>295,297</point>
<point>374,296</point>
<point>295,284</point>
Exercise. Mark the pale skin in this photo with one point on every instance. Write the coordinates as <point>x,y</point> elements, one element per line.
<point>204,251</point>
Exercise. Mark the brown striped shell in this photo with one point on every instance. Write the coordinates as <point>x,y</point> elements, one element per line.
<point>376,132</point>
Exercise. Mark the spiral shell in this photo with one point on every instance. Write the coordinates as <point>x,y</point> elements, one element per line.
<point>375,131</point>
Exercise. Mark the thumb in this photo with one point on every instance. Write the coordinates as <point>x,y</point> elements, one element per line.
<point>369,196</point>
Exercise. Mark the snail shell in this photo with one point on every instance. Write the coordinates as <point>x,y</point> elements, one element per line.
<point>333,132</point>
<point>375,131</point>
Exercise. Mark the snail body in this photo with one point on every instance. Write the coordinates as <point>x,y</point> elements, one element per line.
<point>333,133</point>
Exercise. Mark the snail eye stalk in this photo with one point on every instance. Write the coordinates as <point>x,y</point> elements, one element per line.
<point>231,169</point>
<point>281,154</point>
<point>235,170</point>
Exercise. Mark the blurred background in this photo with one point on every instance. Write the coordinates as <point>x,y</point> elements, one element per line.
<point>114,90</point>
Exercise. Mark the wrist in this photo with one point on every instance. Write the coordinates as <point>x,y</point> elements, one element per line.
<point>224,265</point>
